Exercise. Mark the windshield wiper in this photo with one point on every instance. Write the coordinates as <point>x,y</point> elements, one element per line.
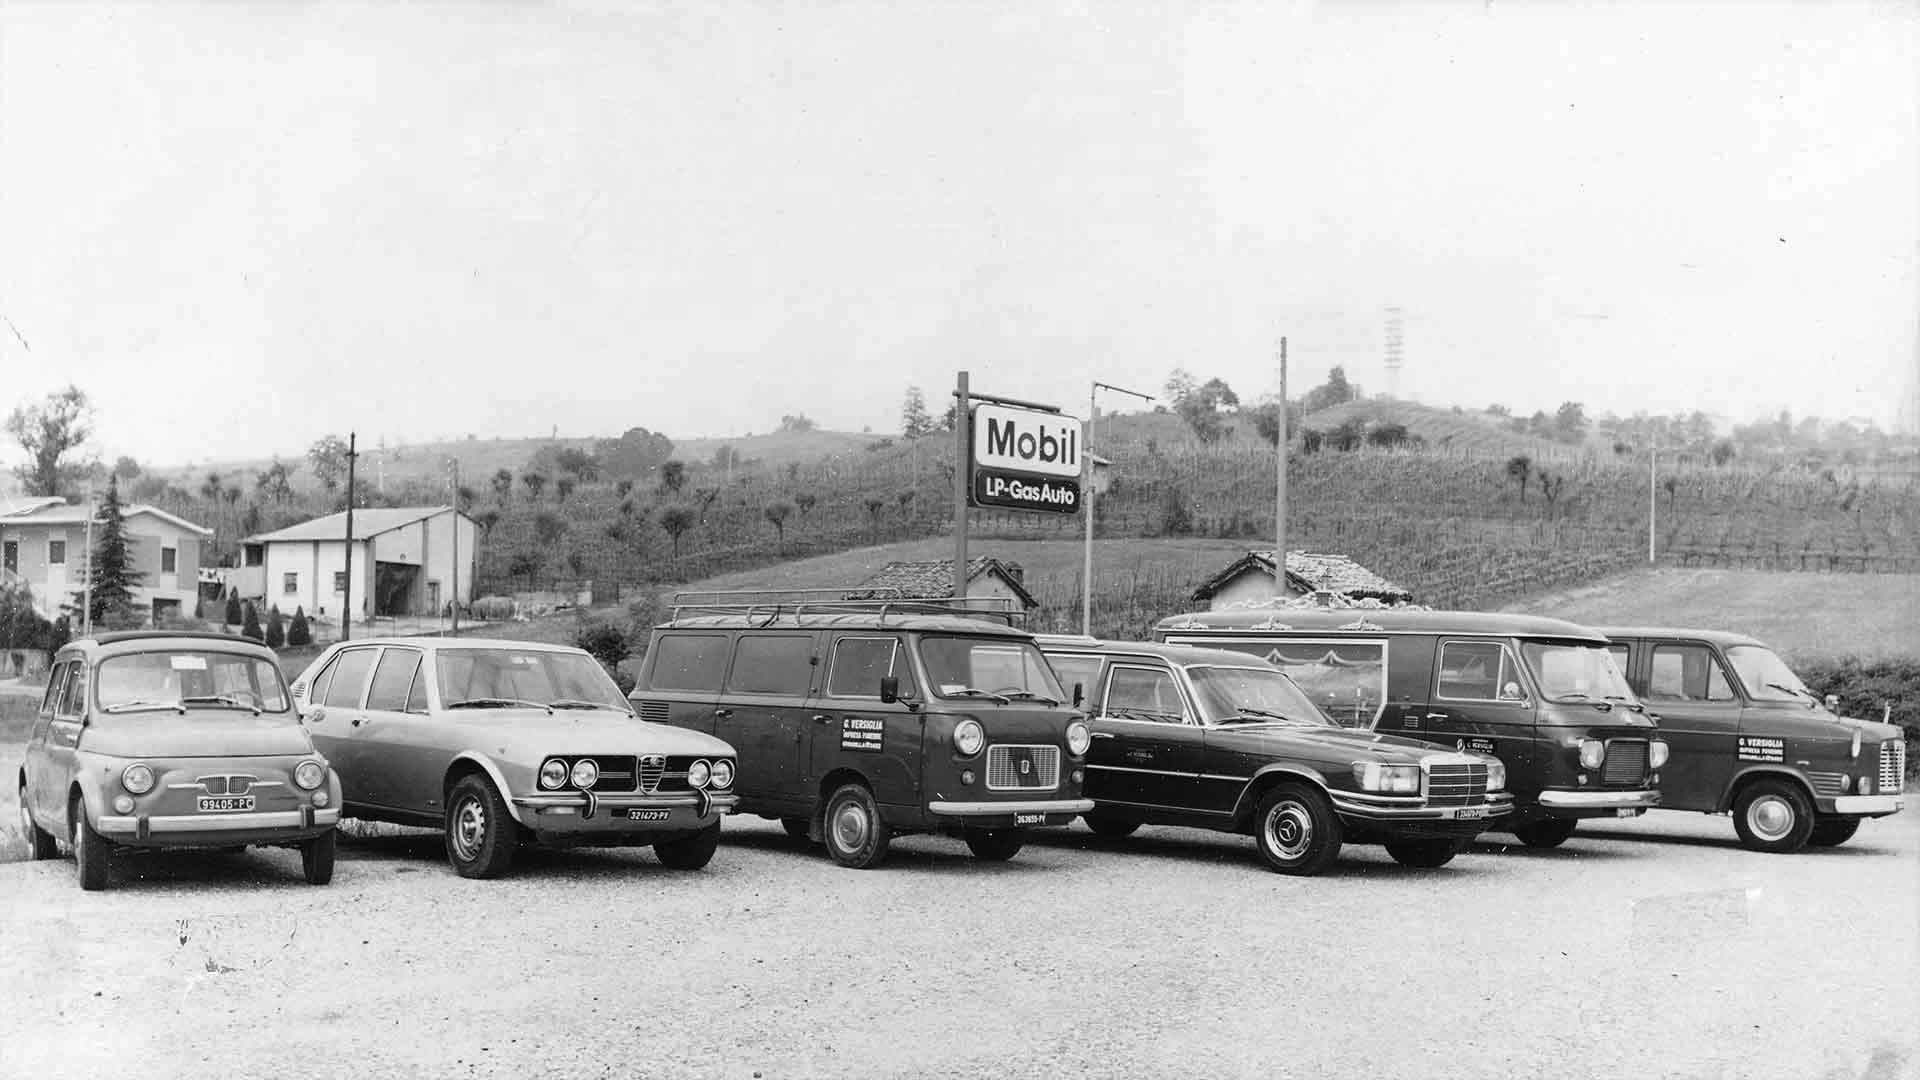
<point>1812,702</point>
<point>129,706</point>
<point>968,691</point>
<point>1028,695</point>
<point>1252,715</point>
<point>1149,714</point>
<point>572,703</point>
<point>220,699</point>
<point>499,703</point>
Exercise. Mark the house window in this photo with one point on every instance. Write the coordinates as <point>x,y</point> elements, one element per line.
<point>290,582</point>
<point>56,552</point>
<point>340,581</point>
<point>169,560</point>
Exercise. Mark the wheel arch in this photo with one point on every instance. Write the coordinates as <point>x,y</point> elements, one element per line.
<point>1753,775</point>
<point>1264,780</point>
<point>845,774</point>
<point>469,763</point>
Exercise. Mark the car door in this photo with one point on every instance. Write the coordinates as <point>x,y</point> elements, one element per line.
<point>401,762</point>
<point>40,779</point>
<point>763,710</point>
<point>1479,701</point>
<point>334,715</point>
<point>1699,710</point>
<point>60,749</point>
<point>1159,742</point>
<point>851,726</point>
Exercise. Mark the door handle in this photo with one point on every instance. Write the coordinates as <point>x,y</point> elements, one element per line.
<point>1436,716</point>
<point>822,718</point>
<point>1103,734</point>
<point>722,713</point>
<point>316,715</point>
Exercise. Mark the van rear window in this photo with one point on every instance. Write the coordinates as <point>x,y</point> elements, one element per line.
<point>772,664</point>
<point>690,662</point>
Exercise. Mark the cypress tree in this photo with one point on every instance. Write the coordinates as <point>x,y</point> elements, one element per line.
<point>113,576</point>
<point>231,617</point>
<point>298,632</point>
<point>251,628</point>
<point>276,633</point>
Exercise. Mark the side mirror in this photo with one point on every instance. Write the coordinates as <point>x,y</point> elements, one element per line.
<point>889,689</point>
<point>1833,702</point>
<point>1511,692</point>
<point>1079,694</point>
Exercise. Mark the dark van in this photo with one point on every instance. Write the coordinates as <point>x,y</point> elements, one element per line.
<point>1750,739</point>
<point>1542,695</point>
<point>856,721</point>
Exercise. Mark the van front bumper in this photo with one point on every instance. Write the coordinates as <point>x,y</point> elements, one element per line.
<point>1870,805</point>
<point>1577,804</point>
<point>1010,813</point>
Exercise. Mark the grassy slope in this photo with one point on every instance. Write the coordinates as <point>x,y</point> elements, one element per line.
<point>1803,614</point>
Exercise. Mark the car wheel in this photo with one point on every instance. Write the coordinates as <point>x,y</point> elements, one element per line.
<point>480,832</point>
<point>1832,831</point>
<point>1772,815</point>
<point>796,827</point>
<point>1110,827</point>
<point>689,852</point>
<point>40,844</point>
<point>996,845</point>
<point>1425,854</point>
<point>316,858</point>
<point>855,835</point>
<point>92,855</point>
<point>1550,833</point>
<point>1296,830</point>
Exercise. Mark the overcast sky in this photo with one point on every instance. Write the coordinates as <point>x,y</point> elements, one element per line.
<point>241,226</point>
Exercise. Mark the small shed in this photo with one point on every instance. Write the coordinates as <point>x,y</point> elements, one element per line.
<point>1249,579</point>
<point>933,580</point>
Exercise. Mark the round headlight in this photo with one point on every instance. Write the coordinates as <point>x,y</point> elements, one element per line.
<point>698,774</point>
<point>968,737</point>
<point>1593,753</point>
<point>1657,752</point>
<point>1078,738</point>
<point>553,773</point>
<point>309,775</point>
<point>585,773</point>
<point>722,773</point>
<point>137,778</point>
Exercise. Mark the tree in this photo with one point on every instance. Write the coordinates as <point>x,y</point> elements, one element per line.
<point>1201,407</point>
<point>251,628</point>
<point>535,482</point>
<point>725,457</point>
<point>1310,439</point>
<point>1391,433</point>
<point>48,432</point>
<point>623,487</point>
<point>126,468</point>
<point>299,631</point>
<point>112,576</point>
<point>1722,452</point>
<point>1550,485</point>
<point>1497,409</point>
<point>548,528</point>
<point>274,483</point>
<point>777,512</point>
<point>276,630</point>
<point>563,487</point>
<point>797,422</point>
<point>805,501</point>
<point>327,457</point>
<point>1520,467</point>
<point>874,505</point>
<point>1349,435</point>
<point>524,564</point>
<point>675,520</point>
<point>1266,420</point>
<point>609,643</point>
<point>503,486</point>
<point>1570,422</point>
<point>914,421</point>
<point>635,453</point>
<point>673,475</point>
<point>1335,391</point>
<point>1180,382</point>
<point>231,615</point>
<point>21,624</point>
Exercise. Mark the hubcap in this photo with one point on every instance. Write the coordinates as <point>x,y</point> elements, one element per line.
<point>1770,818</point>
<point>850,827</point>
<point>1289,830</point>
<point>469,829</point>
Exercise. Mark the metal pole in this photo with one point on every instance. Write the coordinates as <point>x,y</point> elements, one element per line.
<point>962,476</point>
<point>1653,502</point>
<point>346,607</point>
<point>1280,493</point>
<point>456,547</point>
<point>86,603</point>
<point>1086,484</point>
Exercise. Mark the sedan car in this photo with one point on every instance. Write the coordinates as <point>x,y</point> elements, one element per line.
<point>1213,739</point>
<point>500,743</point>
<point>172,740</point>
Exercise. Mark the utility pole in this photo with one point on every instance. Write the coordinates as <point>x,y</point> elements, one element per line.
<point>1653,502</point>
<point>1280,494</point>
<point>962,453</point>
<point>1086,472</point>
<point>346,608</point>
<point>86,589</point>
<point>456,548</point>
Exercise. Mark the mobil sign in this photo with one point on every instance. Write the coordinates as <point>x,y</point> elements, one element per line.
<point>1025,459</point>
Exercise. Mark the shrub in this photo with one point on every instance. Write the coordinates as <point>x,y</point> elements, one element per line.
<point>493,608</point>
<point>606,642</point>
<point>250,626</point>
<point>276,630</point>
<point>232,614</point>
<point>299,632</point>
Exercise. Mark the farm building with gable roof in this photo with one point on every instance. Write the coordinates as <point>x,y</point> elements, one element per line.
<point>1249,579</point>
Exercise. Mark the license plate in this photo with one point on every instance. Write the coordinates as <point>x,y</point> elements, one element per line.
<point>637,814</point>
<point>1469,813</point>
<point>225,804</point>
<point>1626,811</point>
<point>1029,819</point>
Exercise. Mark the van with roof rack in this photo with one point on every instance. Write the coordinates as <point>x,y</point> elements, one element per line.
<point>1542,695</point>
<point>860,720</point>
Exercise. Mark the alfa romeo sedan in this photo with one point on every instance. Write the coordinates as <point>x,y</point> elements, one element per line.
<point>500,743</point>
<point>1214,739</point>
<point>172,740</point>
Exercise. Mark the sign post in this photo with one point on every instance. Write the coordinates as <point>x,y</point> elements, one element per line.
<point>1010,455</point>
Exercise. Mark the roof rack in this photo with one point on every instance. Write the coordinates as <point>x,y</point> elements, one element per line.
<point>767,606</point>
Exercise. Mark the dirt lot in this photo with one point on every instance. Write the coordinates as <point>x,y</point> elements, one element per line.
<point>1653,948</point>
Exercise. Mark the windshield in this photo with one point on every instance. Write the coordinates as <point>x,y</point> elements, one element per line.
<point>988,667</point>
<point>182,678</point>
<point>504,678</point>
<point>1567,672</point>
<point>1767,677</point>
<point>1234,694</point>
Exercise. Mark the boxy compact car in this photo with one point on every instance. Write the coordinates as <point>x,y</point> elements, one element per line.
<point>1542,695</point>
<point>503,742</point>
<point>1214,739</point>
<point>1750,739</point>
<point>172,740</point>
<point>858,721</point>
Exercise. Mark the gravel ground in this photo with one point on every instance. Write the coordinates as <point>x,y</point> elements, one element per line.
<point>1653,948</point>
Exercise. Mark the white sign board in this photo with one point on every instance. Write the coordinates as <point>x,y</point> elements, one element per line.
<point>1026,441</point>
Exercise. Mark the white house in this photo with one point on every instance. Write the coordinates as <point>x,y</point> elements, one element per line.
<point>406,561</point>
<point>44,546</point>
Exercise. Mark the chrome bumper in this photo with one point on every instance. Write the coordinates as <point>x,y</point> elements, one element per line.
<point>617,803</point>
<point>1867,804</point>
<point>1600,800</point>
<point>266,821</point>
<point>1497,805</point>
<point>988,809</point>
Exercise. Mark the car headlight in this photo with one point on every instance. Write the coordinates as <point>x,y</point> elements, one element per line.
<point>137,778</point>
<point>1078,738</point>
<point>553,773</point>
<point>722,773</point>
<point>1387,779</point>
<point>1657,753</point>
<point>698,774</point>
<point>309,775</point>
<point>1593,753</point>
<point>968,737</point>
<point>585,773</point>
<point>1496,776</point>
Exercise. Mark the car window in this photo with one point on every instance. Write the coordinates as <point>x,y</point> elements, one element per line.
<point>1620,653</point>
<point>349,678</point>
<point>392,678</point>
<point>317,693</point>
<point>417,693</point>
<point>1082,670</point>
<point>56,684</point>
<point>859,663</point>
<point>689,662</point>
<point>73,698</point>
<point>772,664</point>
<point>1478,671</point>
<point>1347,680</point>
<point>1687,673</point>
<point>1142,693</point>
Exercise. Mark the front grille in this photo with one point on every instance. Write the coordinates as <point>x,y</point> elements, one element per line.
<point>655,711</point>
<point>1626,762</point>
<point>1893,766</point>
<point>652,768</point>
<point>226,785</point>
<point>1828,783</point>
<point>616,772</point>
<point>1023,768</point>
<point>1456,785</point>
